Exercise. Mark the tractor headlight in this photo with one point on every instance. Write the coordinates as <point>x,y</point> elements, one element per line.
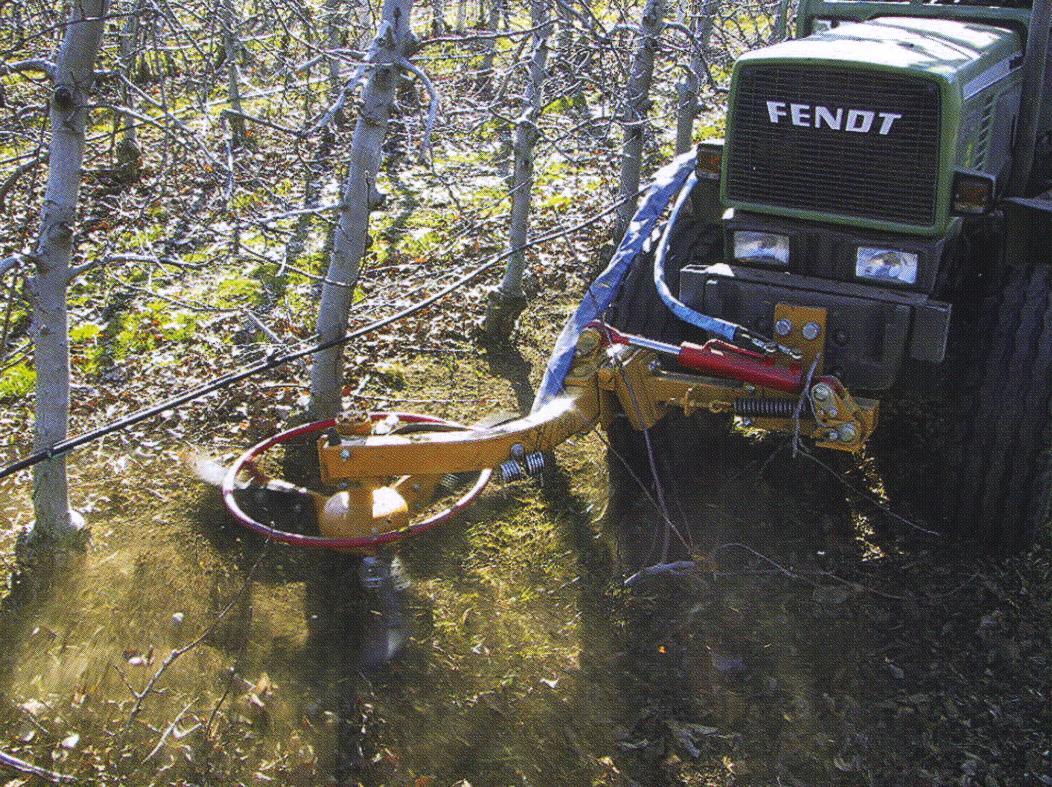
<point>889,265</point>
<point>762,247</point>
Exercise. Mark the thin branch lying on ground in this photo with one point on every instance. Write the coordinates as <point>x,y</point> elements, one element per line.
<point>148,689</point>
<point>28,768</point>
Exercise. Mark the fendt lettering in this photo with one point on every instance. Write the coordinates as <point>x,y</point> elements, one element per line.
<point>859,121</point>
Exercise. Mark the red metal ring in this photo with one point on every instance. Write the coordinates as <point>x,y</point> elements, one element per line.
<point>363,543</point>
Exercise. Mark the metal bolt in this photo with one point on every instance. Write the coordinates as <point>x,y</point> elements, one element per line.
<point>518,451</point>
<point>783,327</point>
<point>746,422</point>
<point>832,412</point>
<point>811,331</point>
<point>345,454</point>
<point>821,392</point>
<point>848,433</point>
<point>654,365</point>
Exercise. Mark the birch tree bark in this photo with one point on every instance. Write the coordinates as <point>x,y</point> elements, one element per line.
<point>74,76</point>
<point>331,11</point>
<point>634,111</point>
<point>394,42</point>
<point>507,301</point>
<point>485,77</point>
<point>689,85</point>
<point>129,156</point>
<point>438,17</point>
<point>361,24</point>
<point>232,47</point>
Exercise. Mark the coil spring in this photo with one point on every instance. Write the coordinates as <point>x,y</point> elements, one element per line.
<point>534,463</point>
<point>511,470</point>
<point>765,408</point>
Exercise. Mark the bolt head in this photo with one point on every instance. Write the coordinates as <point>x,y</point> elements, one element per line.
<point>654,365</point>
<point>848,433</point>
<point>811,331</point>
<point>345,453</point>
<point>783,327</point>
<point>518,451</point>
<point>821,392</point>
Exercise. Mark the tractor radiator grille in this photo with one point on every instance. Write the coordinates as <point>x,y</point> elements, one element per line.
<point>887,177</point>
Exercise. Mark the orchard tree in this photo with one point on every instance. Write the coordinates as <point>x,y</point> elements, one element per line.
<point>73,75</point>
<point>388,58</point>
<point>507,301</point>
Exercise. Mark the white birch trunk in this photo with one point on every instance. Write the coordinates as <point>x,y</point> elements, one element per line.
<point>361,23</point>
<point>710,9</point>
<point>490,52</point>
<point>635,109</point>
<point>508,300</point>
<point>74,75</point>
<point>232,47</point>
<point>128,153</point>
<point>360,198</point>
<point>688,87</point>
<point>332,42</point>
<point>438,17</point>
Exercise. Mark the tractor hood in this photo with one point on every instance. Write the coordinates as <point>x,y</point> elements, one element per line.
<point>965,54</point>
<point>865,123</point>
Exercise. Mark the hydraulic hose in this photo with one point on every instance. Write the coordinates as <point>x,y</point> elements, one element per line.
<point>722,328</point>
<point>725,329</point>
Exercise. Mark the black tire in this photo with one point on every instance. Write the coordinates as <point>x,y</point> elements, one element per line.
<point>997,461</point>
<point>640,310</point>
<point>966,444</point>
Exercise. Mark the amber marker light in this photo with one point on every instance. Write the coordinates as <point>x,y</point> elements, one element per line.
<point>973,193</point>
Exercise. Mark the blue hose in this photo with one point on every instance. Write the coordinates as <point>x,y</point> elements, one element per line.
<point>722,328</point>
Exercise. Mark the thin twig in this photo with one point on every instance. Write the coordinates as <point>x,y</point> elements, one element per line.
<point>168,731</point>
<point>10,761</point>
<point>176,653</point>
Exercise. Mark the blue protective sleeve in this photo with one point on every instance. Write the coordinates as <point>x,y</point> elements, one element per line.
<point>667,182</point>
<point>722,328</point>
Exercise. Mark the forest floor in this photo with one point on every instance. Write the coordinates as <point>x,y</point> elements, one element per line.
<point>815,644</point>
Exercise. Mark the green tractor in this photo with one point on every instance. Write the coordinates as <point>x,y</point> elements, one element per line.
<point>889,169</point>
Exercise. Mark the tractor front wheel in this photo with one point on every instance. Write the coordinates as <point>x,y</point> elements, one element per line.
<point>997,457</point>
<point>966,444</point>
<point>639,310</point>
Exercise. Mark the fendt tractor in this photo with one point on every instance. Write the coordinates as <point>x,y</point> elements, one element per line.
<point>877,224</point>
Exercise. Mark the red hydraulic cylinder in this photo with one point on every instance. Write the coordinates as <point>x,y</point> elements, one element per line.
<point>721,359</point>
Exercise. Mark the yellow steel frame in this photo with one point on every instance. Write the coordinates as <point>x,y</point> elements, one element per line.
<point>384,477</point>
